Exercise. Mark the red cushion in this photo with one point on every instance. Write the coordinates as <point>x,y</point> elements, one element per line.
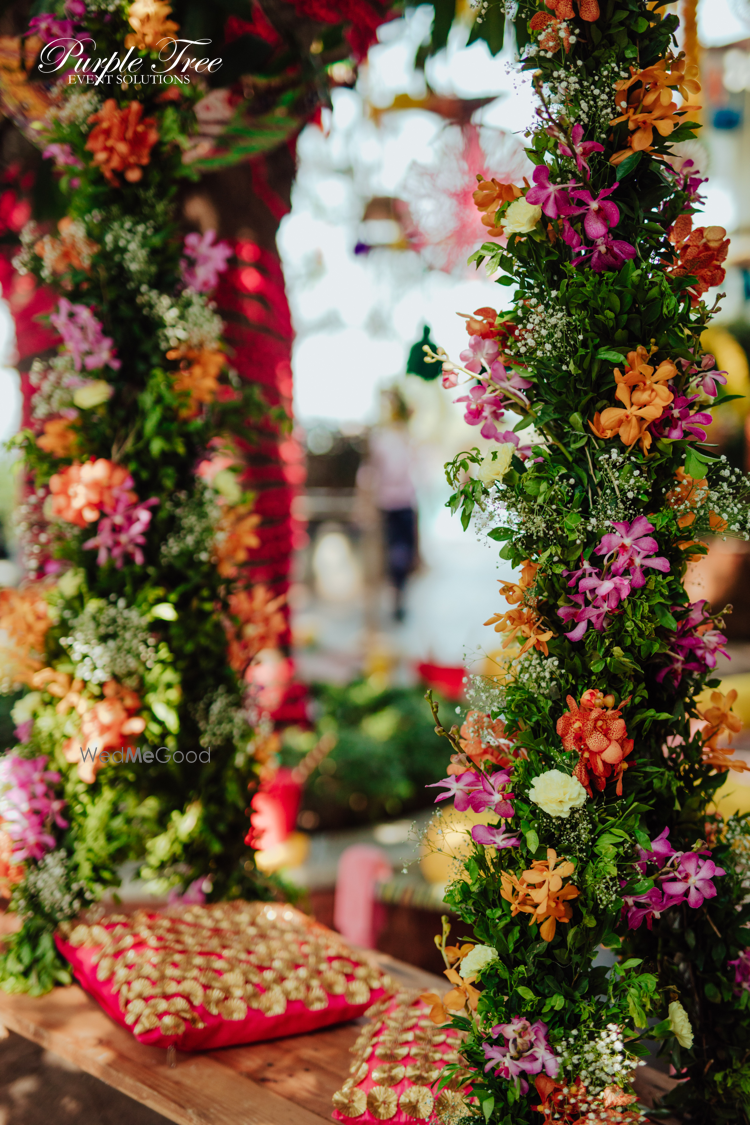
<point>201,977</point>
<point>398,1059</point>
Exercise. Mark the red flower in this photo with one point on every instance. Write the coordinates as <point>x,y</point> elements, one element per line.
<point>700,254</point>
<point>597,733</point>
<point>121,141</point>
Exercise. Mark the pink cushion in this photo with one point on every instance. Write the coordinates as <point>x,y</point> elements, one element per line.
<point>201,977</point>
<point>398,1059</point>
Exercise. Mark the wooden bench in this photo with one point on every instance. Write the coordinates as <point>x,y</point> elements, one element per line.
<point>284,1082</point>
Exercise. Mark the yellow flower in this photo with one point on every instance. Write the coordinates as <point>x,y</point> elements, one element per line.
<point>557,793</point>
<point>521,217</point>
<point>680,1024</point>
<point>92,394</point>
<point>495,465</point>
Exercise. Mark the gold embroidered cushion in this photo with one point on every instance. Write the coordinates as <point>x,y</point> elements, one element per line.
<point>201,977</point>
<point>399,1058</point>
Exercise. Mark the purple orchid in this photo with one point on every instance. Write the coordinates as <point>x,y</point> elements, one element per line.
<point>120,532</point>
<point>27,806</point>
<point>630,543</point>
<point>570,236</point>
<point>678,421</point>
<point>708,376</point>
<point>693,879</point>
<point>600,213</point>
<point>583,614</point>
<point>63,156</point>
<point>490,795</point>
<point>83,337</point>
<point>580,148</point>
<point>645,908</point>
<point>661,852</point>
<point>523,449</point>
<point>497,837</point>
<point>460,787</point>
<point>480,355</point>
<point>552,198</point>
<point>694,647</point>
<point>607,253</point>
<point>49,28</point>
<point>485,408</point>
<point>610,591</point>
<point>741,968</point>
<point>204,260</point>
<point>526,1050</point>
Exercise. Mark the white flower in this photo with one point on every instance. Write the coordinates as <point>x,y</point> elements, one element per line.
<point>477,959</point>
<point>680,1024</point>
<point>24,708</point>
<point>496,464</point>
<point>92,394</point>
<point>557,793</point>
<point>521,217</point>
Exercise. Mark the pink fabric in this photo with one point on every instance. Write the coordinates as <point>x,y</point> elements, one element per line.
<point>355,913</point>
<point>421,1048</point>
<point>87,964</point>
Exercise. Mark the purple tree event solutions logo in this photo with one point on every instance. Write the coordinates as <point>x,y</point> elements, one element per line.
<point>130,754</point>
<point>72,55</point>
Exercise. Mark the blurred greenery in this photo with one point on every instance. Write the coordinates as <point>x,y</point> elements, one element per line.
<point>386,752</point>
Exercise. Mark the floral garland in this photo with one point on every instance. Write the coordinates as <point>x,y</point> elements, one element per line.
<point>127,647</point>
<point>594,758</point>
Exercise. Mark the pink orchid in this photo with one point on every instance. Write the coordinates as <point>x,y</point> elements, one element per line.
<point>27,807</point>
<point>63,156</point>
<point>49,28</point>
<point>204,260</point>
<point>480,354</point>
<point>630,543</point>
<point>583,614</point>
<point>497,837</point>
<point>581,149</point>
<point>83,337</point>
<point>485,408</point>
<point>677,421</point>
<point>600,213</point>
<point>694,647</point>
<point>523,449</point>
<point>513,381</point>
<point>120,532</point>
<point>491,795</point>
<point>661,851</point>
<point>460,787</point>
<point>526,1050</point>
<point>646,908</point>
<point>693,879</point>
<point>607,253</point>
<point>741,968</point>
<point>552,198</point>
<point>611,590</point>
<point>570,236</point>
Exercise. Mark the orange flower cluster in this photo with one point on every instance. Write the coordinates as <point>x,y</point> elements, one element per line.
<point>524,621</point>
<point>25,618</point>
<point>461,995</point>
<point>483,739</point>
<point>720,721</point>
<point>700,255</point>
<point>691,493</point>
<point>541,893</point>
<point>82,490</point>
<point>58,437</point>
<point>489,197</point>
<point>236,537</point>
<point>261,623</point>
<point>72,250</point>
<point>150,23</point>
<point>555,31</point>
<point>645,101</point>
<point>107,725</point>
<point>596,732</point>
<point>644,393</point>
<point>121,141</point>
<point>568,1104</point>
<point>198,377</point>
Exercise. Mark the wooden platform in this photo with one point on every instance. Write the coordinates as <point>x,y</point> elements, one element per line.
<point>284,1082</point>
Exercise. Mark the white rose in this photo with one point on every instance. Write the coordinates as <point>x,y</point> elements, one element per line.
<point>557,793</point>
<point>477,959</point>
<point>25,707</point>
<point>521,217</point>
<point>680,1024</point>
<point>495,465</point>
<point>92,394</point>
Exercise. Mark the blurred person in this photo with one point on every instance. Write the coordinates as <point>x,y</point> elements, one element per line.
<point>391,460</point>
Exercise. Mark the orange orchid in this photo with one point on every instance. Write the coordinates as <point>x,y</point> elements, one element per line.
<point>105,726</point>
<point>80,491</point>
<point>150,23</point>
<point>597,733</point>
<point>24,616</point>
<point>198,377</point>
<point>59,438</point>
<point>645,101</point>
<point>490,196</point>
<point>462,994</point>
<point>524,621</point>
<point>72,250</point>
<point>541,893</point>
<point>570,1103</point>
<point>721,721</point>
<point>648,382</point>
<point>483,739</point>
<point>261,624</point>
<point>121,140</point>
<point>236,538</point>
<point>629,421</point>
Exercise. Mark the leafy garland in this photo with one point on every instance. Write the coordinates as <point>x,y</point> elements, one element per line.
<point>129,642</point>
<point>592,757</point>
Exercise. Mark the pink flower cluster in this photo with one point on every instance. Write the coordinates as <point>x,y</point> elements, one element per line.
<point>63,156</point>
<point>695,646</point>
<point>681,876</point>
<point>485,403</point>
<point>626,550</point>
<point>83,337</point>
<point>572,199</point>
<point>679,421</point>
<point>482,792</point>
<point>28,808</point>
<point>526,1050</point>
<point>121,529</point>
<point>705,377</point>
<point>741,971</point>
<point>204,260</point>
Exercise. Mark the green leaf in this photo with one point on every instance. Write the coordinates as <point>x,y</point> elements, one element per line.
<point>487,1107</point>
<point>609,353</point>
<point>527,994</point>
<point>629,164</point>
<point>532,840</point>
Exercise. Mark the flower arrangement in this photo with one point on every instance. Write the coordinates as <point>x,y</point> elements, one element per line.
<point>126,648</point>
<point>597,391</point>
